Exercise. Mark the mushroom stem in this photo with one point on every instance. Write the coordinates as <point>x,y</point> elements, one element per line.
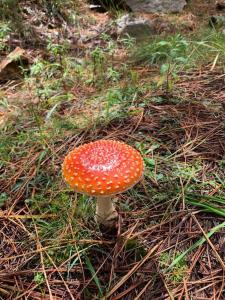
<point>106,213</point>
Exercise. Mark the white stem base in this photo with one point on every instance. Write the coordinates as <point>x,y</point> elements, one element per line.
<point>106,213</point>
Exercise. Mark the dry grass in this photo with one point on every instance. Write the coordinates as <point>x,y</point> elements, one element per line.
<point>50,246</point>
<point>130,266</point>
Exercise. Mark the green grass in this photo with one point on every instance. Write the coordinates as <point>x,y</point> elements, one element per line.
<point>185,51</point>
<point>91,98</point>
<point>179,259</point>
<point>178,53</point>
<point>210,204</point>
<point>178,270</point>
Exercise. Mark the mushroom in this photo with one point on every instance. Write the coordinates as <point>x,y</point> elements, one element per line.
<point>103,169</point>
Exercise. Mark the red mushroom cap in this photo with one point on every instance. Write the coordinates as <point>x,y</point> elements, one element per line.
<point>103,168</point>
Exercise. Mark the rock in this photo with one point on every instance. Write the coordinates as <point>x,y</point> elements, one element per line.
<point>144,25</point>
<point>11,66</point>
<point>136,27</point>
<point>154,6</point>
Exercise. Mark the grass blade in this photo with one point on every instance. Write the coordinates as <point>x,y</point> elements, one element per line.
<point>207,203</point>
<point>94,275</point>
<point>195,245</point>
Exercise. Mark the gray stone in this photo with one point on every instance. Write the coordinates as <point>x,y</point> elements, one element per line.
<point>154,6</point>
<point>136,27</point>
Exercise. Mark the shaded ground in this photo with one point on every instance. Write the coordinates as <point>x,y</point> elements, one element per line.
<point>170,242</point>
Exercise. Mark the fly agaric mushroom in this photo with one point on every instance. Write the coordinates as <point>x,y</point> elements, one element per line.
<point>102,169</point>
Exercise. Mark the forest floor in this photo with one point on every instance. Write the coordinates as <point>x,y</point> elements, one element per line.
<point>165,97</point>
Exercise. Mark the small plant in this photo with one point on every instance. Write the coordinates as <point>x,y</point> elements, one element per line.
<point>187,172</point>
<point>58,51</point>
<point>178,272</point>
<point>172,49</point>
<point>3,198</point>
<point>112,74</point>
<point>4,30</point>
<point>11,13</point>
<point>56,7</point>
<point>168,75</point>
<point>128,41</point>
<point>43,74</point>
<point>4,34</point>
<point>37,68</point>
<point>171,54</point>
<point>113,97</point>
<point>9,9</point>
<point>134,246</point>
<point>111,45</point>
<point>98,60</point>
<point>39,278</point>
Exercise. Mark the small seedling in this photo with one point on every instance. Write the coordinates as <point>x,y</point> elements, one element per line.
<point>39,278</point>
<point>176,274</point>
